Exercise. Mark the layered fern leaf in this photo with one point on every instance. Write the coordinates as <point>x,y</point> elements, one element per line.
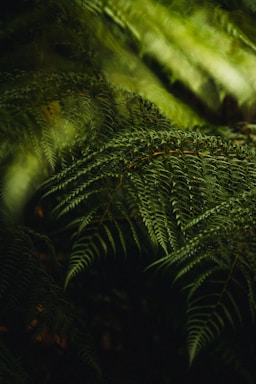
<point>195,196</point>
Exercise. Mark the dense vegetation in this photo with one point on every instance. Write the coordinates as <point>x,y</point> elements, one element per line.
<point>127,168</point>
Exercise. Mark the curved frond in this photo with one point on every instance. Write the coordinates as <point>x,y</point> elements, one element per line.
<point>172,177</point>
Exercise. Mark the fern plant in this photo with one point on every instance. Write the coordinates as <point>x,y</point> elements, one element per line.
<point>100,131</point>
<point>194,195</point>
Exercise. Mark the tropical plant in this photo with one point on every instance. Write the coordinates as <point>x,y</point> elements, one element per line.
<point>115,120</point>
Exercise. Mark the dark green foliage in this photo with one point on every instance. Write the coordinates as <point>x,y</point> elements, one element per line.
<point>105,154</point>
<point>194,195</point>
<point>36,304</point>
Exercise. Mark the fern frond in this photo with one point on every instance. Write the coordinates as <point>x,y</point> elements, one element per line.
<point>171,178</point>
<point>206,321</point>
<point>226,244</point>
<point>83,345</point>
<point>103,235</point>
